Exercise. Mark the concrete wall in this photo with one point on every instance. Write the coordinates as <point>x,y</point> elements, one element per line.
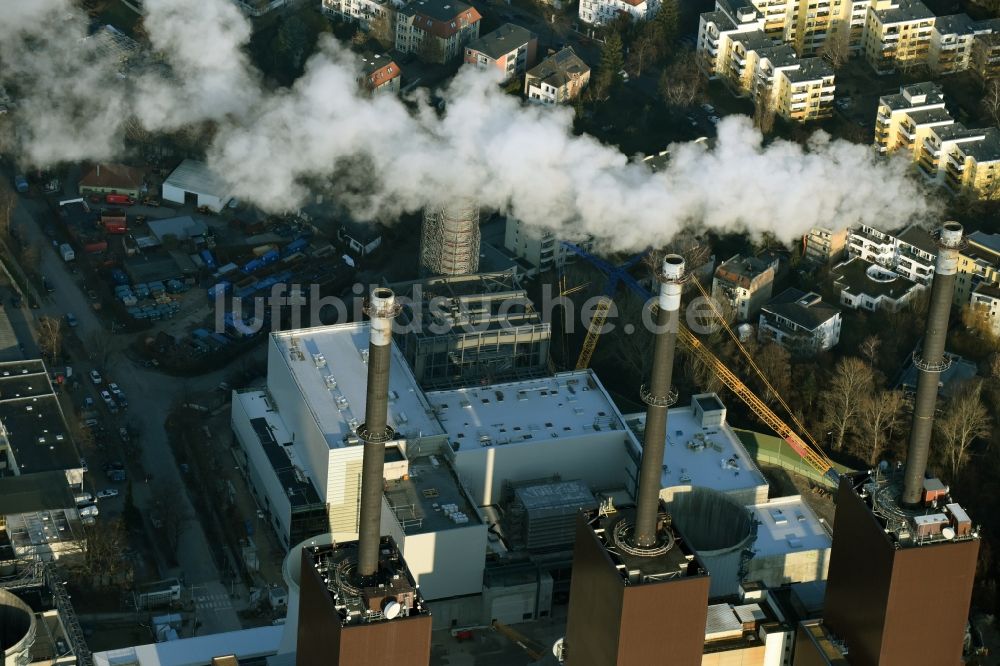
<point>448,563</point>
<point>262,477</point>
<point>800,567</point>
<point>597,458</point>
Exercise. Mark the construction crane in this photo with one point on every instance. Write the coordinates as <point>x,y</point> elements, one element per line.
<point>811,454</point>
<point>615,275</point>
<point>533,649</point>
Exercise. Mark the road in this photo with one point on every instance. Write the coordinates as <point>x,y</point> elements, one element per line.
<point>150,395</point>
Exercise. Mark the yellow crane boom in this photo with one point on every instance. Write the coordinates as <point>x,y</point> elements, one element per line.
<point>593,333</point>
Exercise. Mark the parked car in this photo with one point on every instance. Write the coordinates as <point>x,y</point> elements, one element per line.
<point>71,320</point>
<point>115,390</point>
<point>96,378</point>
<point>46,285</point>
<point>109,402</point>
<point>107,493</point>
<point>708,108</point>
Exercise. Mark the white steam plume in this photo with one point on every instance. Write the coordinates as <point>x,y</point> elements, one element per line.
<point>381,156</point>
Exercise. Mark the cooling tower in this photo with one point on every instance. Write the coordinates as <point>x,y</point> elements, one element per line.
<point>449,240</point>
<point>17,630</point>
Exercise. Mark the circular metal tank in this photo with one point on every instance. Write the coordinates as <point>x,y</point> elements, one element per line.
<point>719,529</point>
<point>17,630</point>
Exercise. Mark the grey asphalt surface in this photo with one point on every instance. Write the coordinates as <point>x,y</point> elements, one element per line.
<point>150,396</point>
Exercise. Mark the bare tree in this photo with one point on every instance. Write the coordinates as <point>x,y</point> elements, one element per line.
<point>869,348</point>
<point>682,81</point>
<point>7,201</point>
<point>880,414</point>
<point>991,100</point>
<point>764,114</point>
<point>643,49</point>
<point>837,47</point>
<point>172,512</point>
<point>851,385</point>
<point>383,29</point>
<point>964,421</point>
<point>775,362</point>
<point>50,337</point>
<point>102,558</point>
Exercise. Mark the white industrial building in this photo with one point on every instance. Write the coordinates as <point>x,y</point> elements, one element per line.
<point>194,183</point>
<point>702,451</point>
<point>792,545</point>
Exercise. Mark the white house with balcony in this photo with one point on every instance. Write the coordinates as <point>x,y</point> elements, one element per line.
<point>602,12</point>
<point>911,253</point>
<point>801,322</point>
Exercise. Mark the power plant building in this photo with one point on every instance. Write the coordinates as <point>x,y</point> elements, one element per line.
<point>469,329</point>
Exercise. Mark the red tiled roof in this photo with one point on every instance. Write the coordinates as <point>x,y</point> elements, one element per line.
<point>113,175</point>
<point>445,29</point>
<point>383,74</point>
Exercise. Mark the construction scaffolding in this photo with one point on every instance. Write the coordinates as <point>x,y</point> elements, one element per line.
<point>449,240</point>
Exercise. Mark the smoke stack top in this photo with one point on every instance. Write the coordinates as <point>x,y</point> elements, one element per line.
<point>931,362</point>
<point>375,431</point>
<point>658,396</point>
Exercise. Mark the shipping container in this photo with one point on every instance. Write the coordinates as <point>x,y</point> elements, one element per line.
<point>295,246</point>
<point>218,289</point>
<point>206,256</point>
<point>269,257</point>
<point>253,265</point>
<point>261,250</point>
<point>119,277</point>
<point>119,199</point>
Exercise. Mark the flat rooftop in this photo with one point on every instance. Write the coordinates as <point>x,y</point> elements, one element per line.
<point>30,413</point>
<point>35,492</point>
<point>43,528</point>
<point>853,276</point>
<point>710,457</point>
<point>330,366</point>
<point>276,442</point>
<point>569,404</point>
<point>429,497</point>
<point>788,525</point>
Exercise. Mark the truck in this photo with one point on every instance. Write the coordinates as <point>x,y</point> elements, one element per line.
<point>119,199</point>
<point>21,184</point>
<point>67,252</point>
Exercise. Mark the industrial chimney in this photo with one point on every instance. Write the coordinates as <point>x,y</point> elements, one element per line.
<point>658,396</point>
<point>931,362</point>
<point>375,431</point>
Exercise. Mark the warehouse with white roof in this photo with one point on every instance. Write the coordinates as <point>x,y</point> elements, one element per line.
<point>192,182</point>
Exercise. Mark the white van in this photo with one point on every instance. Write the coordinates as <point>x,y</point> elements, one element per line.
<point>83,498</point>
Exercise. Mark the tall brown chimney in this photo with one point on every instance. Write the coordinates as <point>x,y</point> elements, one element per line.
<point>375,431</point>
<point>931,362</point>
<point>658,396</point>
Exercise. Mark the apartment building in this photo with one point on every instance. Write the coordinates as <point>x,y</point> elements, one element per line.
<point>978,264</point>
<point>973,167</point>
<point>911,253</point>
<point>363,12</point>
<point>436,30</point>
<point>861,284</point>
<point>602,12</point>
<point>735,47</point>
<point>986,299</point>
<point>558,79</point>
<point>823,246</point>
<point>986,52</point>
<point>744,284</point>
<point>904,117</point>
<point>380,74</point>
<point>510,49</point>
<point>897,34</point>
<point>801,322</point>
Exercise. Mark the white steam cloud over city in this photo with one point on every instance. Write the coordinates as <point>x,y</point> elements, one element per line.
<point>381,157</point>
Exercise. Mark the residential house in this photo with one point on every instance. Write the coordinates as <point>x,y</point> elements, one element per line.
<point>380,73</point>
<point>911,253</point>
<point>978,263</point>
<point>602,12</point>
<point>862,284</point>
<point>744,284</point>
<point>365,12</point>
<point>801,322</point>
<point>986,299</point>
<point>537,247</point>
<point>824,246</point>
<point>436,30</point>
<point>510,49</point>
<point>112,178</point>
<point>558,79</point>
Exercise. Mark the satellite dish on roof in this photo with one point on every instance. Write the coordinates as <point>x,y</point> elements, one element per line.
<point>948,533</point>
<point>557,650</point>
<point>391,610</point>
